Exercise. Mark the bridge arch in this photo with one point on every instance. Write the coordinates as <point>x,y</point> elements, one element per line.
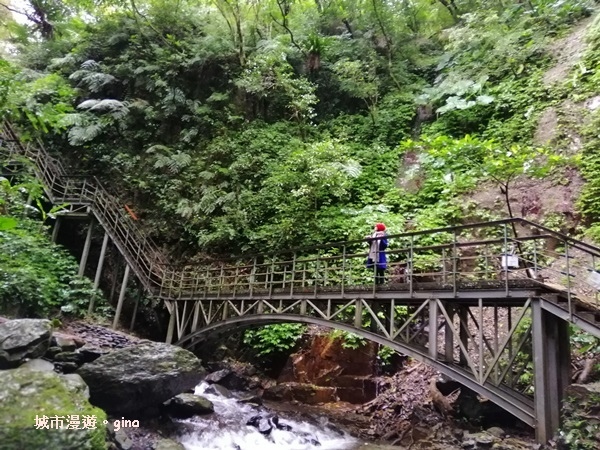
<point>518,405</point>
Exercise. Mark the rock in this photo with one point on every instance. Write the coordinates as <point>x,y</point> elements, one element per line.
<point>39,365</point>
<point>217,376</point>
<point>251,398</point>
<point>27,394</point>
<point>52,352</point>
<point>484,440</point>
<point>66,367</point>
<point>73,357</point>
<point>496,432</point>
<point>168,444</point>
<point>217,389</point>
<point>304,393</point>
<point>90,353</point>
<point>188,405</point>
<point>76,384</point>
<point>64,341</point>
<point>138,379</point>
<point>23,338</point>
<point>119,437</point>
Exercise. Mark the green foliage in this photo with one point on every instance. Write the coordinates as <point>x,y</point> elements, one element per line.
<point>251,127</point>
<point>277,338</point>
<point>349,340</point>
<point>38,278</point>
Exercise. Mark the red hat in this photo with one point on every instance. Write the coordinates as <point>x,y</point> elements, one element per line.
<point>380,226</point>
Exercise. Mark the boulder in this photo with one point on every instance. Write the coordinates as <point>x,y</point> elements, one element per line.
<point>23,339</point>
<point>188,405</point>
<point>39,411</point>
<point>138,379</point>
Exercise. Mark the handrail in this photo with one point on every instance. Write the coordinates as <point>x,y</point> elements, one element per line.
<point>447,258</point>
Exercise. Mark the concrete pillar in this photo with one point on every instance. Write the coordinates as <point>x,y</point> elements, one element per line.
<point>551,367</point>
<point>98,272</point>
<point>121,297</point>
<point>135,308</point>
<point>358,309</point>
<point>463,317</point>
<point>86,249</point>
<point>449,335</point>
<point>171,328</point>
<point>432,327</point>
<point>56,229</point>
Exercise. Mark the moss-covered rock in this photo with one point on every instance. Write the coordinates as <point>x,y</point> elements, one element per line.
<point>36,403</point>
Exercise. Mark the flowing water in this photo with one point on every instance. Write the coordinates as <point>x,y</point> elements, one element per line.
<point>227,429</point>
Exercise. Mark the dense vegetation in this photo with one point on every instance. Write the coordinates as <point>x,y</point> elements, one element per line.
<point>37,278</point>
<point>233,126</point>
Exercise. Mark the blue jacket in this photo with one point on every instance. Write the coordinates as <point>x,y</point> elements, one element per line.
<point>382,257</point>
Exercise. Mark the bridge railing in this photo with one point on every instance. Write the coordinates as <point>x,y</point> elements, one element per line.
<point>139,250</point>
<point>453,258</point>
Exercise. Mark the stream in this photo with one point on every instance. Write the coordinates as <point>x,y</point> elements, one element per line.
<point>228,428</point>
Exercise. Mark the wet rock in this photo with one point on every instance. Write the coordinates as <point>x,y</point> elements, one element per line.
<point>251,398</point>
<point>469,444</point>
<point>217,389</point>
<point>168,444</point>
<point>119,438</point>
<point>217,376</point>
<point>188,405</point>
<point>21,339</point>
<point>39,365</point>
<point>140,378</point>
<point>262,424</point>
<point>26,394</point>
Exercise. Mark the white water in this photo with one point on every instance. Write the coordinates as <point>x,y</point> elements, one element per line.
<point>226,429</point>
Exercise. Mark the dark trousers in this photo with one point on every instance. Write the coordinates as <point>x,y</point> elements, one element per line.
<point>379,276</point>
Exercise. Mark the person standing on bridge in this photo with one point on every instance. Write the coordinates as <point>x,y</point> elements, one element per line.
<point>377,258</point>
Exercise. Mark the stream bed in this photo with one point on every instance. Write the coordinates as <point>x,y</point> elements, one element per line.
<point>239,426</point>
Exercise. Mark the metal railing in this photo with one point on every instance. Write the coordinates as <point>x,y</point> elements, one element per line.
<point>466,257</point>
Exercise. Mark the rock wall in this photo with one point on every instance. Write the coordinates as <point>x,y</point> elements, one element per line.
<point>325,371</point>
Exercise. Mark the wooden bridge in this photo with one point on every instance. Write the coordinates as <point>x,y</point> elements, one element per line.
<point>483,303</point>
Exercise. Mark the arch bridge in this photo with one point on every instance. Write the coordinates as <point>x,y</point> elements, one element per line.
<point>483,303</point>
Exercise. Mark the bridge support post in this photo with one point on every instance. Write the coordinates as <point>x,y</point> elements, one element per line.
<point>449,335</point>
<point>86,249</point>
<point>463,317</point>
<point>358,313</point>
<point>98,271</point>
<point>56,228</point>
<point>121,297</point>
<point>551,365</point>
<point>171,308</point>
<point>433,327</point>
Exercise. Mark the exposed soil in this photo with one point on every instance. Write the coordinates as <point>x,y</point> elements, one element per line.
<point>567,51</point>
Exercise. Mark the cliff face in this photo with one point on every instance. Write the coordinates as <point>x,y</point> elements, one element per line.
<point>325,371</point>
